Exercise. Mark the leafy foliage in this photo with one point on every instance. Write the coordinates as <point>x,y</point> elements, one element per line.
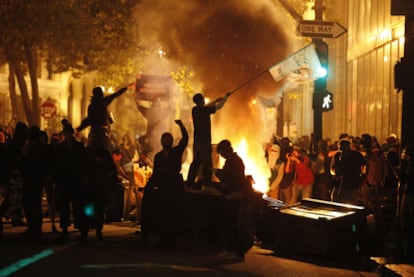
<point>101,37</point>
<point>77,35</point>
<point>184,78</point>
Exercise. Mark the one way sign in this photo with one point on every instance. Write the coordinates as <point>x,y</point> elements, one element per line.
<point>320,29</point>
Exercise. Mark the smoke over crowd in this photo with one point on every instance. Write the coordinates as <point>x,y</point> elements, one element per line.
<point>226,43</point>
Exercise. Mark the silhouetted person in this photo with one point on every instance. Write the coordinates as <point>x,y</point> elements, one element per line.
<point>125,182</point>
<point>320,167</point>
<point>233,186</point>
<point>3,181</point>
<point>98,116</point>
<point>286,184</point>
<point>67,172</point>
<point>13,162</point>
<point>202,138</point>
<point>348,167</point>
<point>49,183</point>
<point>406,211</point>
<point>99,179</point>
<point>34,174</point>
<point>163,187</point>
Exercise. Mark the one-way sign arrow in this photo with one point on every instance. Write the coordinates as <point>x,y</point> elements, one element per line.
<point>321,29</point>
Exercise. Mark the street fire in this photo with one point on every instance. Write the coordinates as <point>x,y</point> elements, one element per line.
<point>226,43</point>
<point>255,164</point>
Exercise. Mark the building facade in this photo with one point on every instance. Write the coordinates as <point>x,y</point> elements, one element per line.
<point>375,43</point>
<point>361,73</point>
<point>361,79</point>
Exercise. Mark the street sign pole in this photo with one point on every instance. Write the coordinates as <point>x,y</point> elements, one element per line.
<point>320,86</point>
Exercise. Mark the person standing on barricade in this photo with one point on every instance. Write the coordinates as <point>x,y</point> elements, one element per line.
<point>163,188</point>
<point>98,116</point>
<point>202,139</point>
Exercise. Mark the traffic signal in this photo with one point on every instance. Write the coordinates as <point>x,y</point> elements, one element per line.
<point>321,48</point>
<point>327,101</point>
<point>323,101</point>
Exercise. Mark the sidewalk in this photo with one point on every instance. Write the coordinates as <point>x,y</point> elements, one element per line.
<point>389,268</point>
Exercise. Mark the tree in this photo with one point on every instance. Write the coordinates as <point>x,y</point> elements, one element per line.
<point>76,35</point>
<point>184,78</point>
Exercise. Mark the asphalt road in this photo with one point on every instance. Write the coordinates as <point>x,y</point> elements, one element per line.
<point>122,253</point>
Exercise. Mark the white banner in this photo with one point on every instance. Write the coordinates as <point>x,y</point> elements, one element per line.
<point>303,64</point>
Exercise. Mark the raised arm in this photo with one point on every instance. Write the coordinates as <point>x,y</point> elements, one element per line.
<point>219,102</point>
<point>108,99</point>
<point>85,123</point>
<point>184,134</point>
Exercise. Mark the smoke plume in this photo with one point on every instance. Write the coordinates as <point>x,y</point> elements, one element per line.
<point>226,43</point>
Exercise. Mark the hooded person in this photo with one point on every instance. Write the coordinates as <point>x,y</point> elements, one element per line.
<point>277,168</point>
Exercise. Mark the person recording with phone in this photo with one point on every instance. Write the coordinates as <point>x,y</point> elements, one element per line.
<point>304,179</point>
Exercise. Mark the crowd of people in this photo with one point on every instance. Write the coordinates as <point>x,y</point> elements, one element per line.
<point>78,177</point>
<point>75,178</point>
<point>356,170</point>
<point>348,170</point>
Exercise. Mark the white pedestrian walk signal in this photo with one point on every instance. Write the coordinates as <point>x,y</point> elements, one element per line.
<point>327,101</point>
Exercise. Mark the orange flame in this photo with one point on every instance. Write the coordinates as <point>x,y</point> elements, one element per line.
<point>255,164</point>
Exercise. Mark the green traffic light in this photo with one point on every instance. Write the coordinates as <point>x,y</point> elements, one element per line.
<point>322,72</point>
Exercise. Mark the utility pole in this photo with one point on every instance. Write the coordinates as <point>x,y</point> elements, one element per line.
<point>321,83</point>
<point>317,29</point>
